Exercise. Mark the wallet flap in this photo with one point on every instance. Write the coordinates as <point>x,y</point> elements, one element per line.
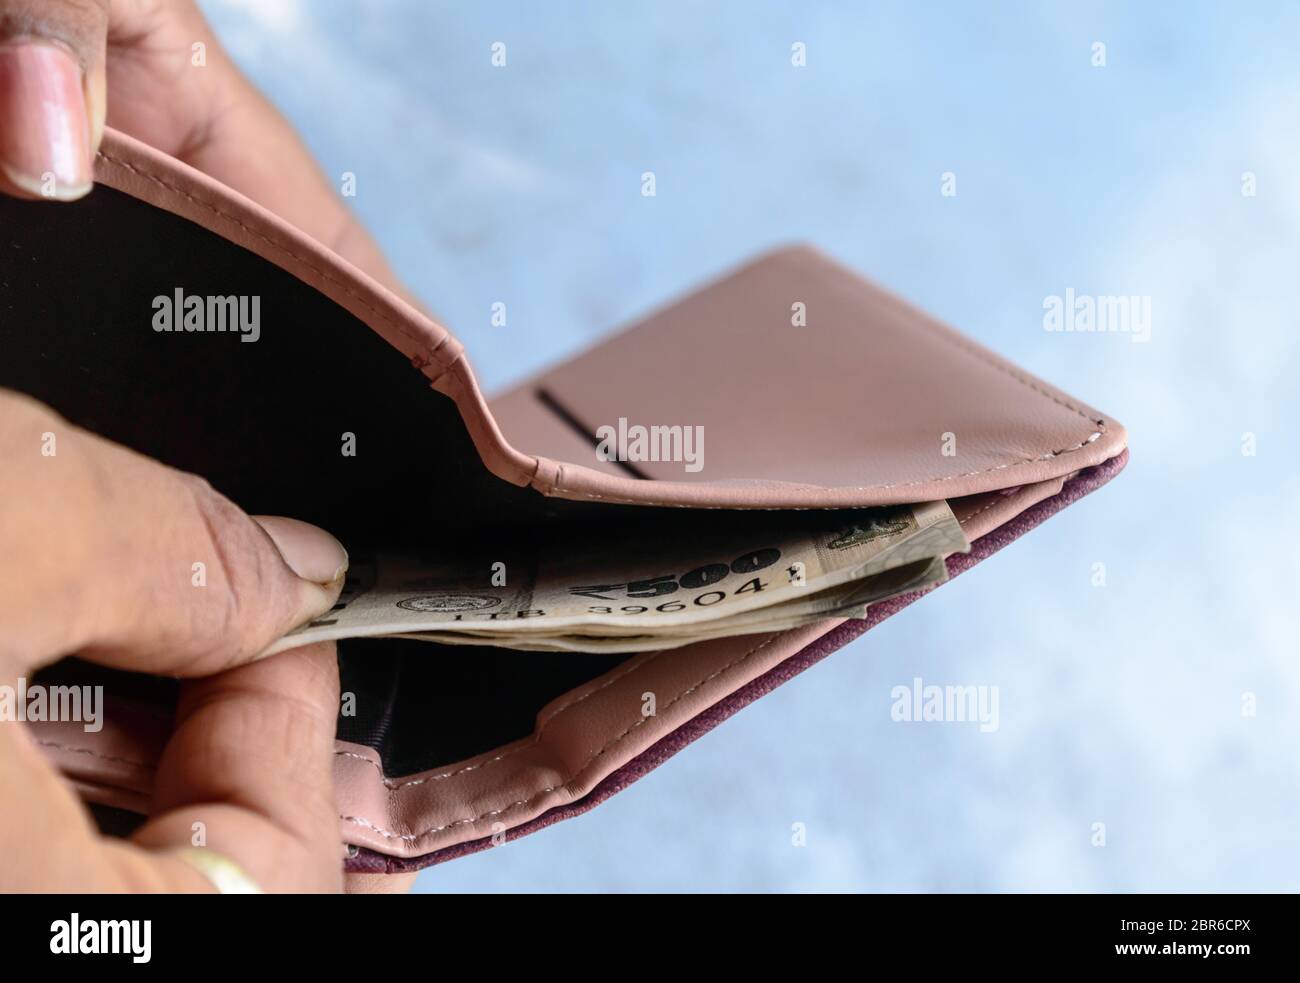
<point>794,375</point>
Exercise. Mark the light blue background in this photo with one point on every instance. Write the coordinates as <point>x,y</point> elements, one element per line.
<point>1119,704</point>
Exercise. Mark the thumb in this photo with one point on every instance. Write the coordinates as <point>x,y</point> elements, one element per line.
<point>52,95</point>
<point>124,561</point>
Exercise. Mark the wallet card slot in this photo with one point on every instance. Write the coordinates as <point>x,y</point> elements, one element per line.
<point>575,426</point>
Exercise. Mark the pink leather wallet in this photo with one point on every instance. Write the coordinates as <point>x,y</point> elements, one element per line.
<point>453,749</point>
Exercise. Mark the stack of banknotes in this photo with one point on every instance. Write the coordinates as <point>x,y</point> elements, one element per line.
<point>631,590</point>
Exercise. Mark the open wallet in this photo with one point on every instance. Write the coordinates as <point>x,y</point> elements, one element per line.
<point>453,748</point>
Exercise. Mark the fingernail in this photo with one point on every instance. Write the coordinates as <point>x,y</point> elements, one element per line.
<point>311,552</point>
<point>44,130</point>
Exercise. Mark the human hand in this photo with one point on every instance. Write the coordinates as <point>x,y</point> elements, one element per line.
<point>97,553</point>
<point>154,70</point>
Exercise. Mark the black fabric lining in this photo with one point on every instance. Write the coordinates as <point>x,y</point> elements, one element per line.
<point>425,697</point>
<point>264,422</point>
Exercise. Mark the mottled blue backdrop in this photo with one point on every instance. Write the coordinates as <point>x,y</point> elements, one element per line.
<point>1120,704</point>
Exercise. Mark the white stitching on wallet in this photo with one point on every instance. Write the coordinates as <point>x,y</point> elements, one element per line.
<point>96,754</point>
<point>996,501</point>
<point>857,488</point>
<point>412,837</point>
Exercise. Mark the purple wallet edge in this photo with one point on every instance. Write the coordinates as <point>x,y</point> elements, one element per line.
<point>1087,481</point>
